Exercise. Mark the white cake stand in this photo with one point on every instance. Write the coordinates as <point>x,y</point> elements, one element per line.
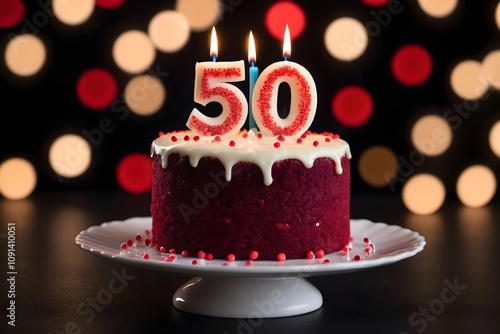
<point>265,289</point>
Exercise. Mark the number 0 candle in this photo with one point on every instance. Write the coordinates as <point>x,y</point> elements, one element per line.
<point>303,97</point>
<point>210,86</point>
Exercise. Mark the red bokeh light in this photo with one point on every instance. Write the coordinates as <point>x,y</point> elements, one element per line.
<point>96,88</point>
<point>352,106</point>
<point>375,3</point>
<point>11,13</point>
<point>109,4</point>
<point>411,65</point>
<point>282,13</point>
<point>134,173</point>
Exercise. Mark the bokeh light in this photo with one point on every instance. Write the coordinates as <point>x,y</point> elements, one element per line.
<point>144,94</point>
<point>134,173</point>
<point>17,178</point>
<point>201,14</point>
<point>11,13</point>
<point>378,165</point>
<point>70,155</point>
<point>346,39</point>
<point>438,8</point>
<point>431,135</point>
<point>282,13</point>
<point>169,31</point>
<point>73,12</point>
<point>494,139</point>
<point>133,51</point>
<point>476,186</point>
<point>411,65</point>
<point>423,194</point>
<point>497,15</point>
<point>96,88</point>
<point>375,3</point>
<point>491,68</point>
<point>467,80</point>
<point>352,106</point>
<point>109,4</point>
<point>25,55</point>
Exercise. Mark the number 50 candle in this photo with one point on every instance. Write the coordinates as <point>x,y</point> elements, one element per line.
<point>210,86</point>
<point>303,97</point>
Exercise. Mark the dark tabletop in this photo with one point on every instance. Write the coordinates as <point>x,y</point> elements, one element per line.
<point>451,286</point>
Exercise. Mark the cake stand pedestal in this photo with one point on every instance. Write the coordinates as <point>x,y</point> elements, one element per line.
<point>266,289</point>
<point>254,298</point>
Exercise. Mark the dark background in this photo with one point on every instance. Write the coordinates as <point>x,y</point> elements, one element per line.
<point>37,110</point>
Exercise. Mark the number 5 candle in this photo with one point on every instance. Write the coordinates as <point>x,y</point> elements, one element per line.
<point>210,86</point>
<point>303,97</point>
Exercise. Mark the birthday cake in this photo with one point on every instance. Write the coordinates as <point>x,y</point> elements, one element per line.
<point>277,191</point>
<point>249,194</point>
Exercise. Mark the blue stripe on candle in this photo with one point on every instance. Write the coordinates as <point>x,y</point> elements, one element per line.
<point>253,75</point>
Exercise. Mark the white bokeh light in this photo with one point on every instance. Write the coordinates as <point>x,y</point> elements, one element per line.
<point>476,186</point>
<point>431,135</point>
<point>423,194</point>
<point>144,94</point>
<point>17,178</point>
<point>346,39</point>
<point>25,55</point>
<point>494,139</point>
<point>467,80</point>
<point>169,31</point>
<point>73,12</point>
<point>491,68</point>
<point>133,51</point>
<point>438,8</point>
<point>70,155</point>
<point>201,14</point>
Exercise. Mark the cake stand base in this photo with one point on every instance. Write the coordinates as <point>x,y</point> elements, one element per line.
<point>249,298</point>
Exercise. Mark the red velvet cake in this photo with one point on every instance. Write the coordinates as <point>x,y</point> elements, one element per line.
<point>245,195</point>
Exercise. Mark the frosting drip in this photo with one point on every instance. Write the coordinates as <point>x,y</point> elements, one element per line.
<point>252,147</point>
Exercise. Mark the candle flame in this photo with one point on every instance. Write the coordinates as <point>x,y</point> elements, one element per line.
<point>252,54</point>
<point>214,48</point>
<point>287,45</point>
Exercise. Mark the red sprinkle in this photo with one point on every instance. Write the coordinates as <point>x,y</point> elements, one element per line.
<point>310,255</point>
<point>157,247</point>
<point>259,135</point>
<point>253,255</point>
<point>147,242</point>
<point>299,141</point>
<point>196,138</point>
<point>335,136</point>
<point>351,239</point>
<point>173,139</point>
<point>162,249</point>
<point>186,137</point>
<point>304,136</point>
<point>123,246</point>
<point>185,253</point>
<point>320,254</point>
<point>245,135</point>
<point>230,257</point>
<point>232,143</point>
<point>148,232</point>
<point>172,251</point>
<point>326,261</point>
<point>345,249</point>
<point>281,257</point>
<point>366,240</point>
<point>194,262</point>
<point>217,138</point>
<point>172,257</point>
<point>316,143</point>
<point>357,258</point>
<point>327,139</point>
<point>248,263</point>
<point>161,133</point>
<point>281,138</point>
<point>277,144</point>
<point>145,256</point>
<point>138,237</point>
<point>201,254</point>
<point>209,256</point>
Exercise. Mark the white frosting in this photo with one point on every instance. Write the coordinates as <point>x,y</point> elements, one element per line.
<point>249,148</point>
